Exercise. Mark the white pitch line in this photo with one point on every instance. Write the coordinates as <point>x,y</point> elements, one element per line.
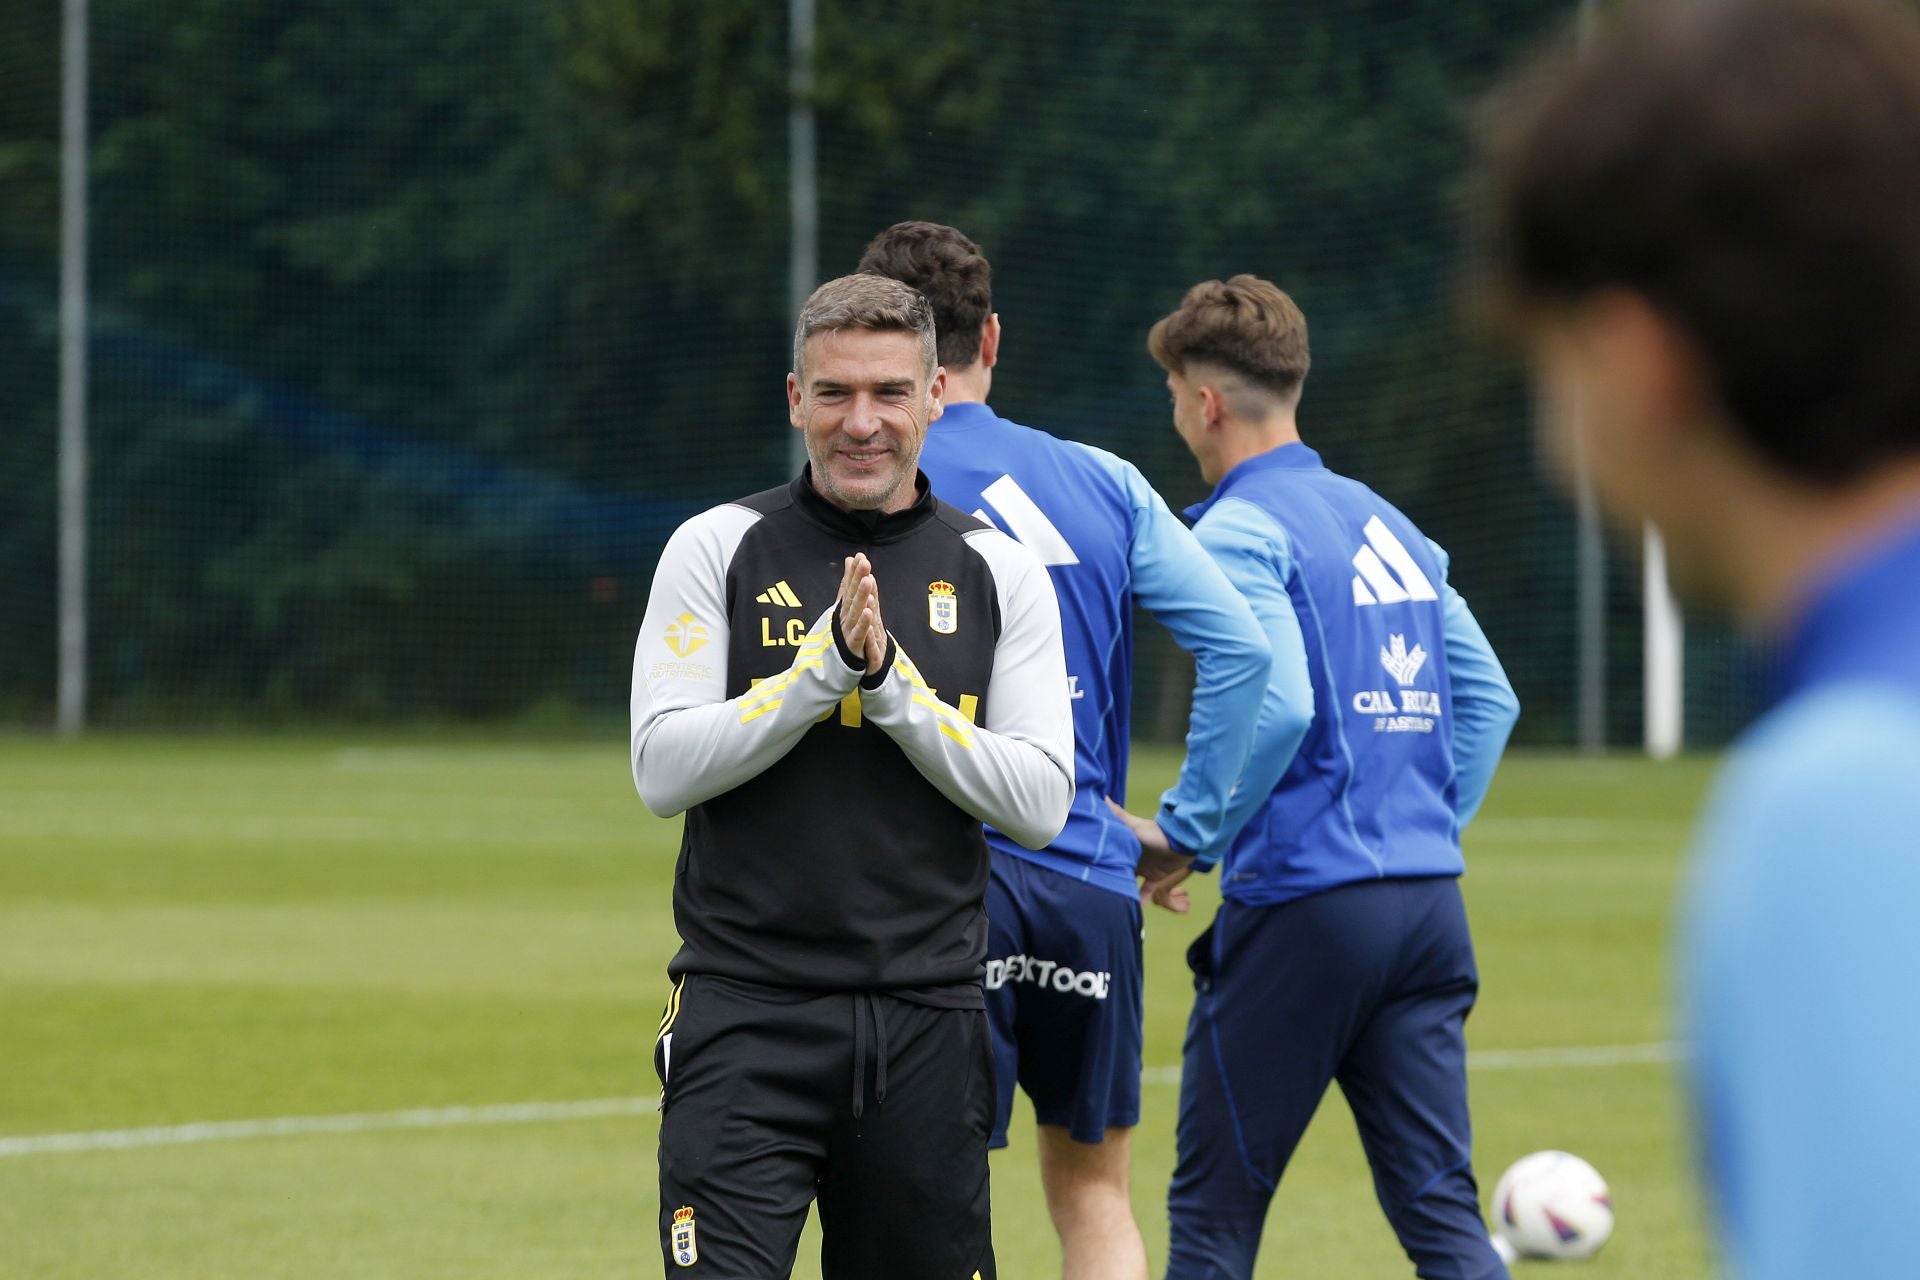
<point>1603,1055</point>
<point>290,1126</point>
<point>1592,1055</point>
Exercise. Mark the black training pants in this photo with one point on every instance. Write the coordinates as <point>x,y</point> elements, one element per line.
<point>877,1107</point>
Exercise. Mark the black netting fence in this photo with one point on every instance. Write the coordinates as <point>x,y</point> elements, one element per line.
<point>417,328</point>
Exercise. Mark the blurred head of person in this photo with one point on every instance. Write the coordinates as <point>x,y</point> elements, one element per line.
<point>956,278</point>
<point>1703,225</point>
<point>864,387</point>
<point>1236,357</point>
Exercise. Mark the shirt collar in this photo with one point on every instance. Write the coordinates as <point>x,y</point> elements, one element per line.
<point>961,416</point>
<point>863,526</point>
<point>1291,457</point>
<point>1864,616</point>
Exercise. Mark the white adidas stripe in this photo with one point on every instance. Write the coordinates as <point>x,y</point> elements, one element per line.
<point>1027,522</point>
<point>1379,562</point>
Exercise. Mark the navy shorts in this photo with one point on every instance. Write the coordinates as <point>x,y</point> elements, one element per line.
<point>1063,997</point>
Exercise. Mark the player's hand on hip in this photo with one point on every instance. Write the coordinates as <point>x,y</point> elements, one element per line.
<point>1160,869</point>
<point>1165,891</point>
<point>1152,839</point>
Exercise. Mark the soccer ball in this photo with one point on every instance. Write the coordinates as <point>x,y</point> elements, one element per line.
<point>1552,1205</point>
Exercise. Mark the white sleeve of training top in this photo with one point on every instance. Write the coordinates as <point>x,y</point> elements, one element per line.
<point>690,742</point>
<point>1015,772</point>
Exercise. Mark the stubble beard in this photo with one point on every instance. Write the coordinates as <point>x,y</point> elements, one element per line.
<point>869,493</point>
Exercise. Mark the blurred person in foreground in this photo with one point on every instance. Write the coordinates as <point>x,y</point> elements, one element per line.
<point>1706,230</point>
<point>825,1037</point>
<point>1064,955</point>
<point>1341,950</point>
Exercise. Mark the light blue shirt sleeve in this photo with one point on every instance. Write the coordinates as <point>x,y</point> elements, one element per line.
<point>1255,555</point>
<point>1176,582</point>
<point>1802,988</point>
<point>1484,704</point>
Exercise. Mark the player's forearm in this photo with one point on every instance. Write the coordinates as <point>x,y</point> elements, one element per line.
<point>1485,706</point>
<point>1286,713</point>
<point>1187,593</point>
<point>1253,554</point>
<point>1231,672</point>
<point>1016,776</point>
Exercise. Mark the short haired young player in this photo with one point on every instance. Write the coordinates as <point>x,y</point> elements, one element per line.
<point>1341,951</point>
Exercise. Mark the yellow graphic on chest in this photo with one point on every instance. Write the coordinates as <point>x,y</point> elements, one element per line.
<point>793,633</point>
<point>757,703</point>
<point>943,608</point>
<point>850,714</point>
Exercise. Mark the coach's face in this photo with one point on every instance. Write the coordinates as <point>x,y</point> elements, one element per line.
<point>864,398</point>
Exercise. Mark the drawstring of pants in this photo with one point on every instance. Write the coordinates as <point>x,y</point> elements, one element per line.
<point>863,1011</point>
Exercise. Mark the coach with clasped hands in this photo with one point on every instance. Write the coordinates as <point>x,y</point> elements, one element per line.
<point>825,1038</point>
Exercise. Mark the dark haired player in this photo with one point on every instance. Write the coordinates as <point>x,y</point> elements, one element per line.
<point>1064,963</point>
<point>1719,290</point>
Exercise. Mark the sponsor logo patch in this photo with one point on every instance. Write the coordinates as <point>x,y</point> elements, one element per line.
<point>684,635</point>
<point>1403,665</point>
<point>679,671</point>
<point>1048,975</point>
<point>1413,710</point>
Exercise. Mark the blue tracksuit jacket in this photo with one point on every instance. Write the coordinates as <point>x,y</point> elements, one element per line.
<point>1110,543</point>
<point>1386,710</point>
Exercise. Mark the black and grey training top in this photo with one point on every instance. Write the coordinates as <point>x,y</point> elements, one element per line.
<point>833,837</point>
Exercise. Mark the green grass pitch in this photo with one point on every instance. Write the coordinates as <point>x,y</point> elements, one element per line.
<point>216,929</point>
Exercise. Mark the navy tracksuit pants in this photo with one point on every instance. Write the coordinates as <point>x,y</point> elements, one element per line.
<point>1368,984</point>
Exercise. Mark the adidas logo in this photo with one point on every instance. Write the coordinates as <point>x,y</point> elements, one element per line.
<point>781,594</point>
<point>1379,562</point>
<point>1022,517</point>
